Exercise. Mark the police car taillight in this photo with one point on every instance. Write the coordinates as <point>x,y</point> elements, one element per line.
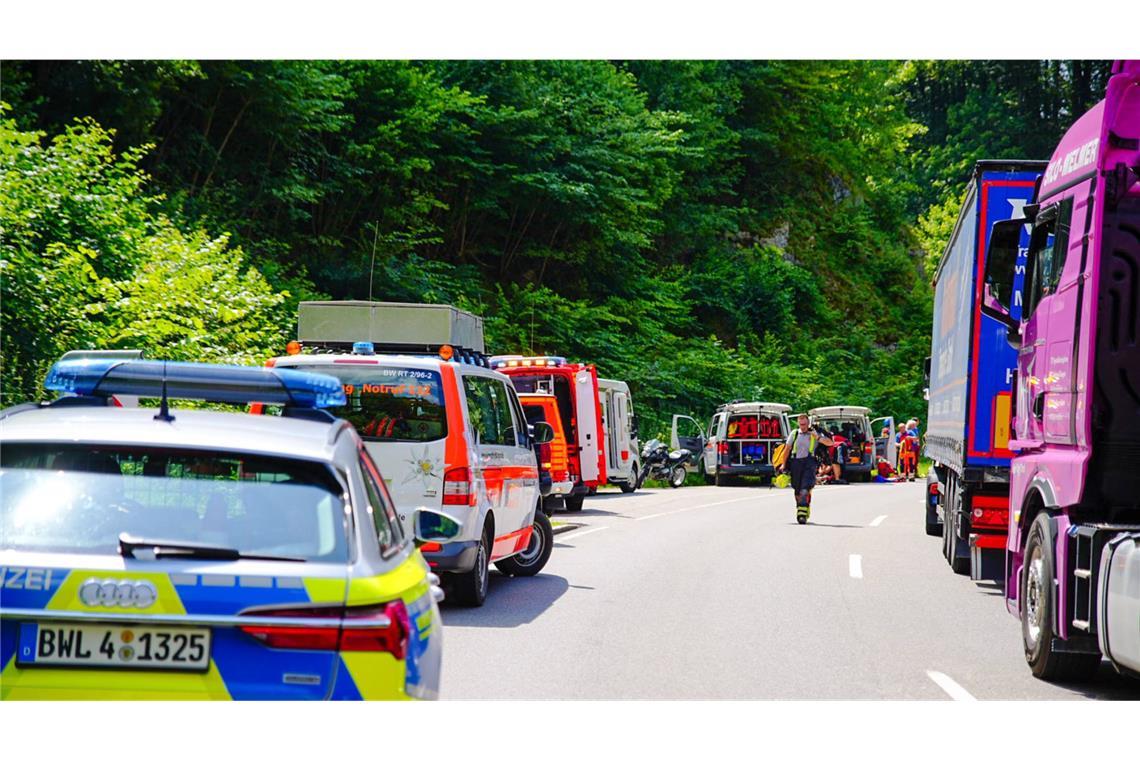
<point>458,490</point>
<point>379,628</point>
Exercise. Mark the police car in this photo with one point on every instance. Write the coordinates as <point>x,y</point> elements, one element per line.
<point>194,554</point>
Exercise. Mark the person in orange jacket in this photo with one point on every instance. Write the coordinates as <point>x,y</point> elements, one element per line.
<point>908,453</point>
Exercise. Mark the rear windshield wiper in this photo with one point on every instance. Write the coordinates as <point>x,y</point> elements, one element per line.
<point>167,549</point>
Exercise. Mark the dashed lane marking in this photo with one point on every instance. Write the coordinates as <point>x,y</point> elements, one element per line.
<point>855,565</point>
<point>704,506</point>
<point>878,521</point>
<point>951,687</point>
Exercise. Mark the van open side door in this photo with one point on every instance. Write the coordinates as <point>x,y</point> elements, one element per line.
<point>885,447</point>
<point>687,435</point>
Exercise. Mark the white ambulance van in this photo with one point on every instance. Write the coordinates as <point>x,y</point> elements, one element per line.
<point>447,431</point>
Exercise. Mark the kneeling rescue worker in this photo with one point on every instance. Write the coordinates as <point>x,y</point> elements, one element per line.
<point>800,451</point>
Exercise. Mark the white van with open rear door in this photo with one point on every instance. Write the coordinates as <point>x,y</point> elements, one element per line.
<point>853,423</point>
<point>741,439</point>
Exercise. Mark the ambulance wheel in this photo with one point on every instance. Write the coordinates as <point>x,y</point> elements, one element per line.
<point>631,485</point>
<point>470,588</point>
<point>533,558</point>
<point>574,503</point>
<point>1037,584</point>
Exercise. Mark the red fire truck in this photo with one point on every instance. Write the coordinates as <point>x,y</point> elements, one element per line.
<point>575,387</point>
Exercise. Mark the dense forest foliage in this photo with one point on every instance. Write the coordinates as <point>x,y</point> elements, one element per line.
<point>705,230</point>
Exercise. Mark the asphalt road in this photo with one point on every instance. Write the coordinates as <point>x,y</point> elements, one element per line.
<point>705,593</point>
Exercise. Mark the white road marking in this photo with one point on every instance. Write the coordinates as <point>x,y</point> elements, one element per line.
<point>703,506</point>
<point>878,521</point>
<point>580,533</point>
<point>855,565</point>
<point>951,687</point>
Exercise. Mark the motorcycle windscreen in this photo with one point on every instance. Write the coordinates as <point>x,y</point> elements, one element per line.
<point>586,411</point>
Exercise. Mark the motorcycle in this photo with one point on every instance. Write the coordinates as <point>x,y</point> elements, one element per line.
<point>661,464</point>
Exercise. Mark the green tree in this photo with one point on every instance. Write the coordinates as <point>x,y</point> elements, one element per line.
<point>88,261</point>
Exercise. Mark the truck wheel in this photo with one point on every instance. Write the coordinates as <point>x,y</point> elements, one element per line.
<point>631,485</point>
<point>533,558</point>
<point>1037,583</point>
<point>677,476</point>
<point>574,503</point>
<point>470,588</point>
<point>960,565</point>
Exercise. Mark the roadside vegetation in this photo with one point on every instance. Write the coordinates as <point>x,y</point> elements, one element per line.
<point>703,230</point>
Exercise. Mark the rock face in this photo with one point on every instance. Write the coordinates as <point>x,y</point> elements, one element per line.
<point>779,237</point>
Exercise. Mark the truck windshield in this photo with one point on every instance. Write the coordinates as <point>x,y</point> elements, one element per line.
<point>78,498</point>
<point>557,385</point>
<point>391,403</point>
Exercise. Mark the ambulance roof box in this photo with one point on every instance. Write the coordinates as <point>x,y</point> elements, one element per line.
<point>418,326</point>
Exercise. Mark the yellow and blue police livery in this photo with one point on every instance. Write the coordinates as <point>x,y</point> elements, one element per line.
<point>205,555</point>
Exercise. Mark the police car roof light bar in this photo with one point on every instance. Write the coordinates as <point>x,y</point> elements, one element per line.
<point>219,383</point>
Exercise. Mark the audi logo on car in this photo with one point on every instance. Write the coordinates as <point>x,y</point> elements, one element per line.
<point>116,592</point>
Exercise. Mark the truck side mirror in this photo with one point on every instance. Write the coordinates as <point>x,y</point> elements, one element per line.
<point>1001,264</point>
<point>543,432</point>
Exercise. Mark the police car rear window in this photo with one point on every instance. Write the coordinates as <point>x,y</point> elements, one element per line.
<point>390,403</point>
<point>79,498</point>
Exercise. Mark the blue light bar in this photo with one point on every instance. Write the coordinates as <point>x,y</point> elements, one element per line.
<point>221,383</point>
<point>364,348</point>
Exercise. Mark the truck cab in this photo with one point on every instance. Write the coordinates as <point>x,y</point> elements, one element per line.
<point>1075,483</point>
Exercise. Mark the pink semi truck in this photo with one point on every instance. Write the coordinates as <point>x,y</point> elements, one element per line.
<point>1073,549</point>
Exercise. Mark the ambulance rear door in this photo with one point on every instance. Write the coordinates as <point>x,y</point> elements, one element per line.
<point>586,412</point>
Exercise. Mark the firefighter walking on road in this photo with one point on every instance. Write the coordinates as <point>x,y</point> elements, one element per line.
<point>800,459</point>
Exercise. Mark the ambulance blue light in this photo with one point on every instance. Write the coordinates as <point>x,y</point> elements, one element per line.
<point>221,383</point>
<point>363,348</point>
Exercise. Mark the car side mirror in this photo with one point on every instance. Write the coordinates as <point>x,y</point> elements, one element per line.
<point>543,432</point>
<point>435,527</point>
<point>1001,262</point>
